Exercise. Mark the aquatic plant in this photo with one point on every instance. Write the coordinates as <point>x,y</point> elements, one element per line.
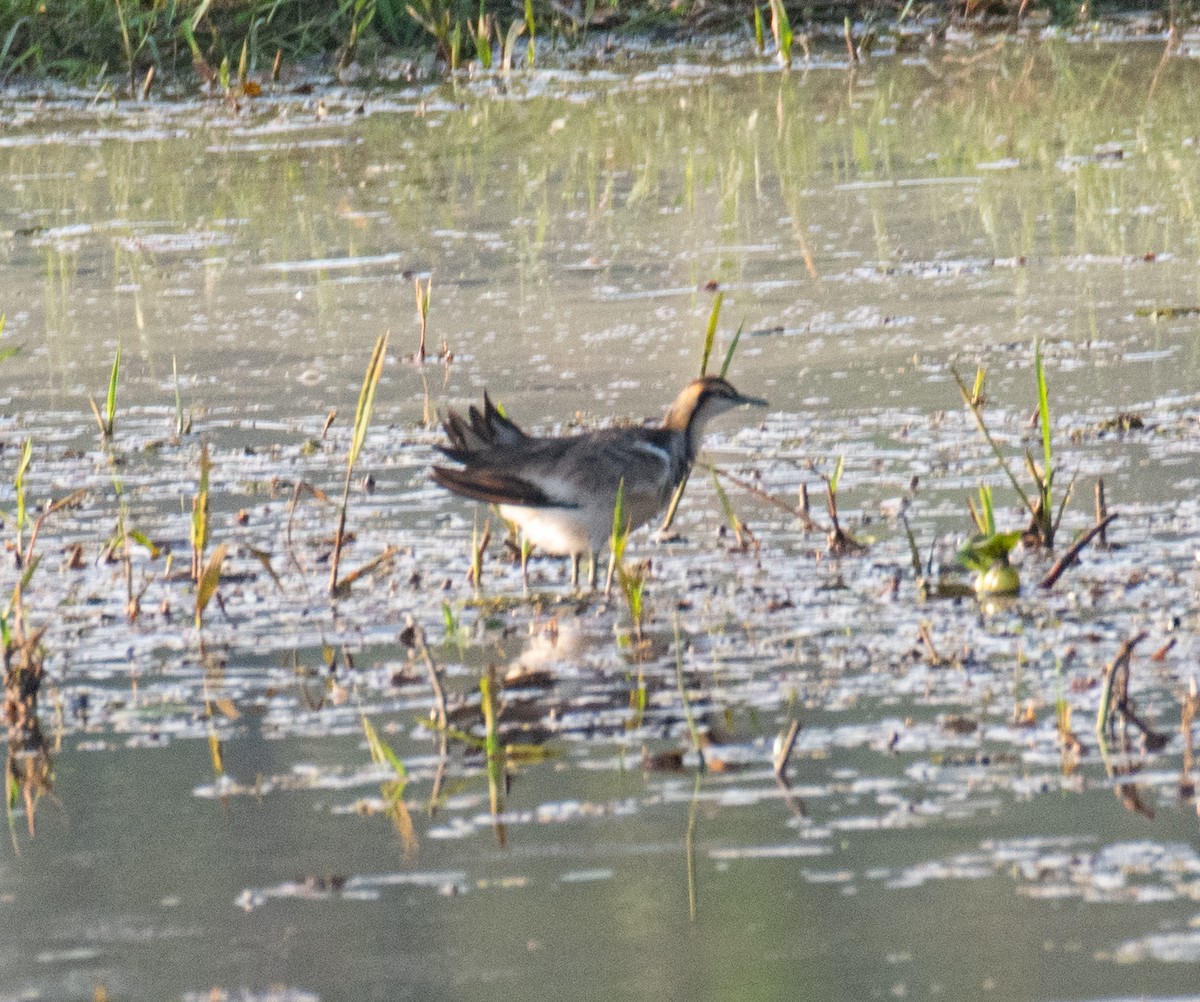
<point>108,421</point>
<point>1044,522</point>
<point>422,296</point>
<point>781,31</point>
<point>1114,691</point>
<point>198,533</point>
<point>210,578</point>
<point>987,551</point>
<point>531,27</point>
<point>493,751</point>
<point>689,848</point>
<point>81,39</point>
<point>362,420</point>
<point>515,30</point>
<point>1104,520</point>
<point>413,637</point>
<point>632,580</point>
<point>479,545</point>
<point>391,789</point>
<point>481,34</point>
<point>77,37</point>
<point>525,547</point>
<point>206,573</point>
<point>781,753</point>
<point>360,13</point>
<point>840,542</point>
<point>19,488</point>
<point>1044,477</point>
<point>443,20</point>
<point>29,769</point>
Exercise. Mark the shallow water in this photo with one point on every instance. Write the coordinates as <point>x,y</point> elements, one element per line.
<point>872,231</point>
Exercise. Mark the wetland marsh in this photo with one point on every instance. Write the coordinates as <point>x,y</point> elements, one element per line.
<point>265,808</point>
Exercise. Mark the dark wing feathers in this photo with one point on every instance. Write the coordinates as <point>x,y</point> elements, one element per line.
<point>503,465</point>
<point>479,431</point>
<point>493,487</point>
<point>501,430</point>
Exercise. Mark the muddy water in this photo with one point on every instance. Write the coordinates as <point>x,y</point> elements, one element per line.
<point>215,821</point>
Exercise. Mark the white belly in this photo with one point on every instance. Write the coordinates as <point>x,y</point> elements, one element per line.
<point>559,530</point>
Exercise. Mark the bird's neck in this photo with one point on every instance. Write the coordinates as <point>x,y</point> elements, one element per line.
<point>688,432</point>
<point>686,419</point>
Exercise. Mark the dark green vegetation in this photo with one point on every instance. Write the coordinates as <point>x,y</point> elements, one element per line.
<point>241,44</point>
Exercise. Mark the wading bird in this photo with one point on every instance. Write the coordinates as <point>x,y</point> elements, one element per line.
<point>561,492</point>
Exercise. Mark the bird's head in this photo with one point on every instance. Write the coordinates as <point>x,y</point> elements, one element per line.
<point>701,401</point>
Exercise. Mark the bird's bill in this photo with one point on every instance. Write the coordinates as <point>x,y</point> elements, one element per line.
<point>746,401</point>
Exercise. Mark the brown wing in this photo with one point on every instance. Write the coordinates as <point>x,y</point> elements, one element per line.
<point>494,488</point>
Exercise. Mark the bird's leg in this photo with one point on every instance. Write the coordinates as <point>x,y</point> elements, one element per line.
<point>525,548</point>
<point>575,558</point>
<point>591,570</point>
<point>612,566</point>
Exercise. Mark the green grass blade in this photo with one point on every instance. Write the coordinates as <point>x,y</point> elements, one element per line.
<point>914,552</point>
<point>209,581</point>
<point>989,511</point>
<point>487,698</point>
<point>366,400</point>
<point>972,404</point>
<point>449,620</point>
<point>837,474</point>
<point>483,46</point>
<point>732,348</point>
<point>145,542</point>
<point>620,529</point>
<point>361,423</point>
<point>781,28</point>
<point>199,15</point>
<point>110,409</point>
<point>8,41</point>
<point>381,752</point>
<point>1044,417</point>
<point>200,512</point>
<point>785,34</point>
<point>976,517</point>
<point>531,27</point>
<point>710,335</point>
<point>19,480</point>
<point>28,573</point>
